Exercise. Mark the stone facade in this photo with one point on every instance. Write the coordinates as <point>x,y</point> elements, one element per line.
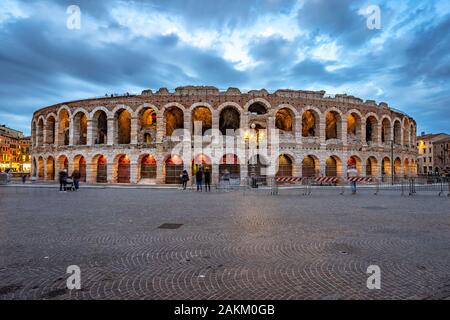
<point>130,138</point>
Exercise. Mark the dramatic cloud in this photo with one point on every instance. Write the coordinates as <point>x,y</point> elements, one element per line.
<point>128,46</point>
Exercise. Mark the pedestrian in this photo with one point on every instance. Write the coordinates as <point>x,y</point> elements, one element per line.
<point>352,173</point>
<point>226,179</point>
<point>24,178</point>
<point>184,179</point>
<point>63,180</point>
<point>76,176</point>
<point>207,177</point>
<point>199,180</point>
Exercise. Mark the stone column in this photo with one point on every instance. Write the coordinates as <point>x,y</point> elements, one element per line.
<point>160,173</point>
<point>244,172</point>
<point>322,131</point>
<point>133,171</point>
<point>363,133</point>
<point>90,171</point>
<point>57,130</point>
<point>215,173</point>
<point>111,175</point>
<point>71,133</point>
<point>134,130</point>
<point>90,133</point>
<point>298,129</point>
<point>343,135</point>
<point>111,131</point>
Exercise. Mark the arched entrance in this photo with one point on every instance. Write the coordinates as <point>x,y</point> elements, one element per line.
<point>397,167</point>
<point>284,166</point>
<point>230,119</point>
<point>50,168</point>
<point>333,125</point>
<point>386,167</point>
<point>41,168</point>
<point>230,163</point>
<point>123,126</point>
<point>284,120</point>
<point>310,124</point>
<point>355,161</point>
<point>332,167</point>
<point>201,120</point>
<point>102,169</point>
<point>123,169</point>
<point>371,167</point>
<point>353,128</point>
<point>257,167</point>
<point>100,127</point>
<point>148,167</point>
<point>79,164</point>
<point>310,166</point>
<point>63,163</point>
<point>173,169</point>
<point>199,162</point>
<point>80,128</point>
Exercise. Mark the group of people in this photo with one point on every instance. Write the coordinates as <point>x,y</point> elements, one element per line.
<point>64,178</point>
<point>202,176</point>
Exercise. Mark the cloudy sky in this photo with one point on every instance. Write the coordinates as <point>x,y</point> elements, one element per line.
<point>128,46</point>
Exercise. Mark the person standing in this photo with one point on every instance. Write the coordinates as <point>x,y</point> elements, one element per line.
<point>207,177</point>
<point>63,180</point>
<point>76,176</point>
<point>352,173</point>
<point>199,180</point>
<point>184,179</point>
<point>24,178</point>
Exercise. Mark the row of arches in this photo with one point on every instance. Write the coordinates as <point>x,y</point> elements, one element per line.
<point>119,126</point>
<point>119,170</point>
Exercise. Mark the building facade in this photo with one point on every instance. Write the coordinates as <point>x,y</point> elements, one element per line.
<point>139,138</point>
<point>426,154</point>
<point>441,155</point>
<point>14,150</point>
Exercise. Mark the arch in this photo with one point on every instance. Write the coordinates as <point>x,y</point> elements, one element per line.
<point>229,119</point>
<point>311,122</point>
<point>355,161</point>
<point>147,124</point>
<point>40,131</point>
<point>397,166</point>
<point>100,126</point>
<point>63,163</point>
<point>406,133</point>
<point>50,168</point>
<point>354,119</point>
<point>371,167</point>
<point>230,164</point>
<point>122,125</point>
<point>201,161</point>
<point>50,129</point>
<point>173,168</point>
<point>407,168</point>
<point>34,133</point>
<point>412,133</point>
<point>41,173</point>
<point>203,114</point>
<point>372,128</point>
<point>64,126</point>
<point>34,168</point>
<point>148,167</point>
<point>257,167</point>
<point>386,129</point>
<point>122,169</point>
<point>285,166</point>
<point>79,164</point>
<point>174,119</point>
<point>79,119</point>
<point>310,166</point>
<point>333,166</point>
<point>99,168</point>
<point>386,167</point>
<point>284,119</point>
<point>333,124</point>
<point>397,132</point>
<point>258,102</point>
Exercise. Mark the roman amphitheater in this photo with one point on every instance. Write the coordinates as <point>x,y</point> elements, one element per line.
<point>132,138</point>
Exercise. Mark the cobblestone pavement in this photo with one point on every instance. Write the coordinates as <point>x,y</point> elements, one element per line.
<point>229,246</point>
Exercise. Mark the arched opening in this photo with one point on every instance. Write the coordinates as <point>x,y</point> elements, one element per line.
<point>397,133</point>
<point>406,134</point>
<point>412,138</point>
<point>50,168</point>
<point>333,127</point>
<point>230,164</point>
<point>355,161</point>
<point>100,127</point>
<point>386,167</point>
<point>148,167</point>
<point>310,124</point>
<point>40,132</point>
<point>64,133</point>
<point>284,120</point>
<point>123,126</point>
<point>397,167</point>
<point>353,128</point>
<point>201,120</point>
<point>257,108</point>
<point>80,129</point>
<point>34,133</point>
<point>386,131</point>
<point>407,168</point>
<point>123,169</point>
<point>50,130</point>
<point>100,168</point>
<point>310,166</point>
<point>147,126</point>
<point>63,163</point>
<point>371,129</point>
<point>173,169</point>
<point>371,167</point>
<point>333,167</point>
<point>79,164</point>
<point>201,162</point>
<point>34,168</point>
<point>285,166</point>
<point>230,119</point>
<point>41,173</point>
<point>257,167</point>
<point>174,120</point>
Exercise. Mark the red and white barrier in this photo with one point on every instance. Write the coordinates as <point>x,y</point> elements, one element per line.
<point>288,179</point>
<point>361,179</point>
<point>326,179</point>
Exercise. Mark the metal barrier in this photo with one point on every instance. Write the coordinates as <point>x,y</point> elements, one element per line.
<point>303,183</point>
<point>430,184</point>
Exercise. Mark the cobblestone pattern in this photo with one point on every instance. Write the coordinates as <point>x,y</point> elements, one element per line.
<point>229,246</point>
